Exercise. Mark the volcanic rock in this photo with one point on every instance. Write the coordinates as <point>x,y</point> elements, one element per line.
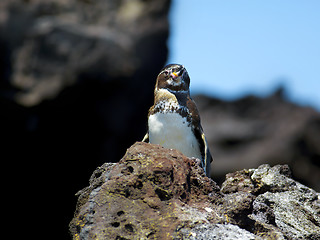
<point>158,193</point>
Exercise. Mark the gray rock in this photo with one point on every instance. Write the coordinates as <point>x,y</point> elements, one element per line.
<point>290,206</point>
<point>216,232</point>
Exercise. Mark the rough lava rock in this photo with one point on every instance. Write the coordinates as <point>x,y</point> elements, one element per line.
<point>287,204</point>
<point>158,193</point>
<point>150,193</point>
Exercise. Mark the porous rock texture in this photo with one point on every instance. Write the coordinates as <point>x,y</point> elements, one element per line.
<point>157,193</point>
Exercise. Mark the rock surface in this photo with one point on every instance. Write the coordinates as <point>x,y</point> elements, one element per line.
<point>159,193</point>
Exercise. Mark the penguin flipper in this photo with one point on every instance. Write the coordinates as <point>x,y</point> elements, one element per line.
<point>207,155</point>
<point>204,148</point>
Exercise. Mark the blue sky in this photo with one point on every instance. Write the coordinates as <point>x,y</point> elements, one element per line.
<point>231,48</point>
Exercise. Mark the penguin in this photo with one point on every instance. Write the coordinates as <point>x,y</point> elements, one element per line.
<point>173,120</point>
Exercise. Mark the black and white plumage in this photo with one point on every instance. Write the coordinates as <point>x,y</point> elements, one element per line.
<point>173,120</point>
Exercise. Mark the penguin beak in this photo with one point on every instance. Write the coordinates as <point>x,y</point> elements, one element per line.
<point>175,79</point>
<point>174,75</point>
<point>178,73</point>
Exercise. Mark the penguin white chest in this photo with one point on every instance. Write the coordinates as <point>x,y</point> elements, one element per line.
<point>171,130</point>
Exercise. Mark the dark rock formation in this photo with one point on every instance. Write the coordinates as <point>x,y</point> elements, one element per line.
<point>76,82</point>
<point>251,131</point>
<point>159,193</point>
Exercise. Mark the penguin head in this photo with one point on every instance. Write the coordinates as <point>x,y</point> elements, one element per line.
<point>173,77</point>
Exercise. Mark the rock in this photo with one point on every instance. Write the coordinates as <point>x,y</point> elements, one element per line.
<point>289,205</point>
<point>159,193</point>
<point>217,231</point>
<point>251,131</point>
<point>144,196</point>
<point>282,208</point>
